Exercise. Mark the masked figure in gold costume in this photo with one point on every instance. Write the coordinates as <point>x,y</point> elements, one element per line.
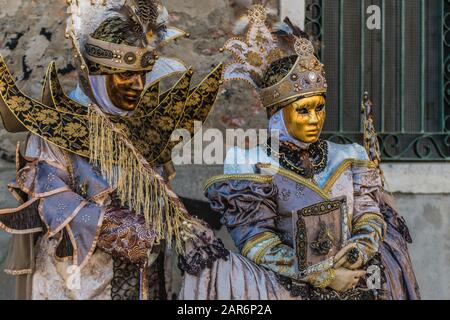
<point>310,218</point>
<point>97,215</point>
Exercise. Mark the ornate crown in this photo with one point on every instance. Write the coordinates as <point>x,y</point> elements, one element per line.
<point>259,58</point>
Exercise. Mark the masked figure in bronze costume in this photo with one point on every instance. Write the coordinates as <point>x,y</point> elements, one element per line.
<point>97,216</point>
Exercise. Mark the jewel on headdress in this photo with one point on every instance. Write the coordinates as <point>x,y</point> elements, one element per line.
<point>312,76</point>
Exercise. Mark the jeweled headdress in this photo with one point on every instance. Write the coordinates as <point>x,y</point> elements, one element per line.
<point>265,54</point>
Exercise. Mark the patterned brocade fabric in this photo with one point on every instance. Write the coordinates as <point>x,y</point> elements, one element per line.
<point>66,123</point>
<point>125,234</point>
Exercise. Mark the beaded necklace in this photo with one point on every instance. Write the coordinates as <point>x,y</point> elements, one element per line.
<point>290,158</point>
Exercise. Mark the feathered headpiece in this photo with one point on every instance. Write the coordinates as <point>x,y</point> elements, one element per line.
<point>112,36</point>
<point>265,54</point>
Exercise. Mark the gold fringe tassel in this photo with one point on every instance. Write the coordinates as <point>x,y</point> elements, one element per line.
<point>138,186</point>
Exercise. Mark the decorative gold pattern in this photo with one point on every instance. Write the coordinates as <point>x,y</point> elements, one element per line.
<point>118,57</point>
<point>158,125</point>
<point>289,157</point>
<point>321,208</point>
<point>59,99</point>
<point>198,106</point>
<point>253,54</point>
<point>268,244</point>
<point>306,78</point>
<point>295,177</point>
<point>123,148</point>
<point>318,209</point>
<point>65,122</point>
<point>124,234</point>
<point>244,177</point>
<point>66,130</point>
<point>255,240</point>
<point>325,191</point>
<point>343,167</point>
<point>374,219</point>
<point>302,243</point>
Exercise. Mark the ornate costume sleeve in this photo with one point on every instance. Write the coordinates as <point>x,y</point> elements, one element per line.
<point>71,198</point>
<point>248,210</point>
<point>65,214</point>
<point>368,225</point>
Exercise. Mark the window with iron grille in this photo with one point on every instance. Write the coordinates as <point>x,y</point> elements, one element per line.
<point>404,65</point>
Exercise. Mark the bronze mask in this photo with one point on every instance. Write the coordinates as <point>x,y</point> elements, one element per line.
<point>125,89</point>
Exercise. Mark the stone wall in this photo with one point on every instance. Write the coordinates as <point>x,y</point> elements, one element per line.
<point>7,173</point>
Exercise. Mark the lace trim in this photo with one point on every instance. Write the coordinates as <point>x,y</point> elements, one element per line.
<point>203,257</point>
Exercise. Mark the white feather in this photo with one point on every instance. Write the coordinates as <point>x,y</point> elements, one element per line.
<point>87,15</point>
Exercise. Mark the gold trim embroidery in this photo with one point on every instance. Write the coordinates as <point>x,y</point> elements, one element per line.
<point>366,219</point>
<point>343,167</point>
<point>255,240</point>
<point>325,191</point>
<point>259,255</point>
<point>295,177</point>
<point>226,177</point>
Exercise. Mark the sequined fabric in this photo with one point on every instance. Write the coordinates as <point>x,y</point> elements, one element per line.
<point>125,234</point>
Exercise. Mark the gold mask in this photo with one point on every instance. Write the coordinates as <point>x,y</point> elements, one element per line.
<point>304,118</point>
<point>125,89</point>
